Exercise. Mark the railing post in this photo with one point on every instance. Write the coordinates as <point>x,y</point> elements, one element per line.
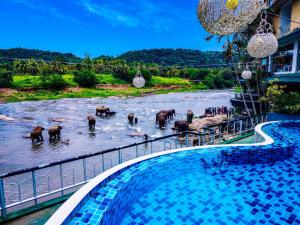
<point>19,190</point>
<point>73,174</point>
<point>151,149</point>
<point>2,200</point>
<point>103,167</point>
<point>34,187</point>
<point>187,140</point>
<point>136,151</point>
<point>241,127</point>
<point>61,180</point>
<point>164,145</point>
<point>84,169</point>
<point>120,156</point>
<point>199,139</point>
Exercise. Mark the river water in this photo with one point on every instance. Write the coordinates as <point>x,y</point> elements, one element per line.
<point>17,152</point>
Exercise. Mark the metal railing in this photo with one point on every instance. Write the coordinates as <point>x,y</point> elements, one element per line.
<point>34,186</point>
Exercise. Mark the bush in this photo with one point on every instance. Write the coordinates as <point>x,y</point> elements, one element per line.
<point>85,78</point>
<point>55,82</point>
<point>6,80</point>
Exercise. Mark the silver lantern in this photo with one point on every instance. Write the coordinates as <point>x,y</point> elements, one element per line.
<point>224,17</point>
<point>264,42</point>
<point>246,74</point>
<point>139,80</point>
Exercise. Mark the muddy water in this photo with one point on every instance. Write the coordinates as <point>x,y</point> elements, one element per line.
<point>17,152</point>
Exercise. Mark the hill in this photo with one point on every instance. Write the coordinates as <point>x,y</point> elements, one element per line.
<point>8,55</point>
<point>180,57</point>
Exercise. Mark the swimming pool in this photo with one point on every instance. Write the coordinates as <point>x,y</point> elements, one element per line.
<point>242,184</point>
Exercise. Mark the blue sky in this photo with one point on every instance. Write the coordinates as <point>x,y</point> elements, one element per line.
<point>97,27</point>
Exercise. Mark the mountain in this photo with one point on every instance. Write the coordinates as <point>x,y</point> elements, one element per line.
<point>180,57</point>
<point>8,55</point>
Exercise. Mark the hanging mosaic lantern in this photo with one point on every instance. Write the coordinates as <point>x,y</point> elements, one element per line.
<point>139,80</point>
<point>246,74</point>
<point>264,42</point>
<point>224,17</point>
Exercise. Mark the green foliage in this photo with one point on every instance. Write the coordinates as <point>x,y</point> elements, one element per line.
<point>6,80</point>
<point>54,82</point>
<point>85,78</point>
<point>22,53</point>
<point>219,80</point>
<point>170,57</point>
<point>281,101</point>
<point>108,79</point>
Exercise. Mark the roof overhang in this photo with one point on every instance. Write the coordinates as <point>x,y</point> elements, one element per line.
<point>290,38</point>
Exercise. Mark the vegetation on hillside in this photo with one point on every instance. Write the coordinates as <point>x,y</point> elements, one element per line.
<point>179,57</point>
<point>8,55</point>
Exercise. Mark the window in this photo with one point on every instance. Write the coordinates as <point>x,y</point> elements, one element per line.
<point>282,61</point>
<point>285,23</point>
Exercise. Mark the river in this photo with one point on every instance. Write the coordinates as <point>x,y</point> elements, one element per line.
<point>17,152</point>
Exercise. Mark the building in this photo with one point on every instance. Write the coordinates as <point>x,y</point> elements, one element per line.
<point>284,65</point>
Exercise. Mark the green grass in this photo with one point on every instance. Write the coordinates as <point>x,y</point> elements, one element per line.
<point>30,88</point>
<point>108,79</point>
<point>157,80</point>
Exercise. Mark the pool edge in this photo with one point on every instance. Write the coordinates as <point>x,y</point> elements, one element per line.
<point>60,216</point>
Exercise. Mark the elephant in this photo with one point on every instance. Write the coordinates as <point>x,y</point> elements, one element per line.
<point>111,113</point>
<point>161,121</point>
<point>170,113</point>
<point>161,114</point>
<point>189,116</point>
<point>130,117</point>
<point>36,134</point>
<point>181,126</point>
<point>54,132</point>
<point>92,122</point>
<point>102,110</point>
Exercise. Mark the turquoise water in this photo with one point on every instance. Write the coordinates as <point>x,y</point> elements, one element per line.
<point>200,187</point>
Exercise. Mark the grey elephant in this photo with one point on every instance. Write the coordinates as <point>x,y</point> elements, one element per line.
<point>181,126</point>
<point>102,110</point>
<point>36,134</point>
<point>189,116</point>
<point>92,122</point>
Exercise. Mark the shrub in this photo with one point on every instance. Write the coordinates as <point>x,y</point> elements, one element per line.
<point>85,78</point>
<point>6,80</point>
<point>55,82</point>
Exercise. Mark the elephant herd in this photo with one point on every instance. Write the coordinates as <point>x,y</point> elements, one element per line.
<point>162,117</point>
<point>36,134</point>
<point>54,132</point>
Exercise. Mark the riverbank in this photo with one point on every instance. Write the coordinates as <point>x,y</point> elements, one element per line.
<point>15,95</point>
<point>28,88</point>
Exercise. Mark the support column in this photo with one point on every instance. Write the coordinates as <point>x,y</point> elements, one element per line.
<point>295,56</point>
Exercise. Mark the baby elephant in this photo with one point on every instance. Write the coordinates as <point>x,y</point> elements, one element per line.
<point>36,134</point>
<point>92,122</point>
<point>54,132</point>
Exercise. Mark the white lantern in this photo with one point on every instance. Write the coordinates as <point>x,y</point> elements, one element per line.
<point>139,80</point>
<point>263,43</point>
<point>246,74</point>
<point>224,17</point>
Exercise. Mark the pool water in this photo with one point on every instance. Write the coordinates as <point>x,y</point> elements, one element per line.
<point>193,187</point>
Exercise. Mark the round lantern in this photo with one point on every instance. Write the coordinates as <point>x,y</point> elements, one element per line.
<point>224,17</point>
<point>246,74</point>
<point>139,80</point>
<point>263,43</point>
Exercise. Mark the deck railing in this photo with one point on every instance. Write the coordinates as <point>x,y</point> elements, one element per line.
<point>31,187</point>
